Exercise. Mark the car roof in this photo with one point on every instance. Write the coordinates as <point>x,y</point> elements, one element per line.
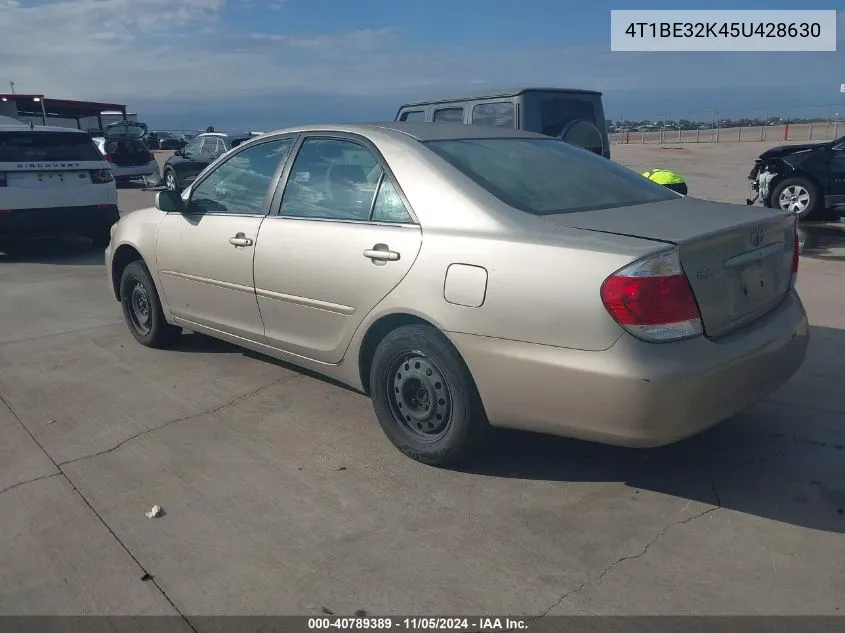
<point>417,131</point>
<point>497,94</point>
<point>39,128</point>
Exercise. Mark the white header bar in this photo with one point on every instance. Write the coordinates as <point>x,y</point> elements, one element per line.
<point>723,31</point>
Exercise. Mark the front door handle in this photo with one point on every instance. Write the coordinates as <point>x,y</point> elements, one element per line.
<point>381,253</point>
<point>241,240</point>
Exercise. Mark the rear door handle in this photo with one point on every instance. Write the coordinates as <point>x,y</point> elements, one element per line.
<point>382,253</point>
<point>241,240</point>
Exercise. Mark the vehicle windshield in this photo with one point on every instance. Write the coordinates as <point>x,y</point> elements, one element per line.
<point>47,146</point>
<point>548,176</point>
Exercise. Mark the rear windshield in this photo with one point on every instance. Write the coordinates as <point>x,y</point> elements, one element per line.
<point>47,146</point>
<point>548,176</point>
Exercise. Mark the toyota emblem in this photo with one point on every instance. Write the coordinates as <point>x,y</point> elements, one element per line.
<point>757,236</point>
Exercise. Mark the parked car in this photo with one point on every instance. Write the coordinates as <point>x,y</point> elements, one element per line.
<point>54,181</point>
<point>575,116</point>
<point>129,157</point>
<point>161,140</point>
<point>468,277</point>
<point>804,179</point>
<point>186,164</point>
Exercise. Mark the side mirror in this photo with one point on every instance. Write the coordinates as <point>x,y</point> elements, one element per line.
<point>179,152</point>
<point>169,201</point>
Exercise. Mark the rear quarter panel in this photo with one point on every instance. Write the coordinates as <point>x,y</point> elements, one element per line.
<point>543,291</point>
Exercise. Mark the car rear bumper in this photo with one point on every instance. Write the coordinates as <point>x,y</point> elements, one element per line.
<point>135,171</point>
<point>57,220</point>
<point>635,393</point>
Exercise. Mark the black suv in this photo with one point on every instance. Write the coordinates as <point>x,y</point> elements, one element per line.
<point>185,165</point>
<point>575,116</point>
<point>805,179</point>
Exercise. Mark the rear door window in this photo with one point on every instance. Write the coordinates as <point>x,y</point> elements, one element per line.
<point>449,115</point>
<point>413,116</point>
<point>47,146</point>
<point>495,114</point>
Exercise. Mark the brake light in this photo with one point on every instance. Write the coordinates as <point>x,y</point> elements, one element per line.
<point>101,176</point>
<point>108,158</point>
<point>652,299</point>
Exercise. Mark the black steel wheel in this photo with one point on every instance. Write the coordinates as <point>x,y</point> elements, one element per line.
<point>424,396</point>
<point>142,308</point>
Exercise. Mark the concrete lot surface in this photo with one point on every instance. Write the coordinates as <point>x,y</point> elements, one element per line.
<point>282,495</point>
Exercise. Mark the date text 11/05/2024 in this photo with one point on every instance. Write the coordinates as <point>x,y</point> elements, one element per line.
<point>480,624</point>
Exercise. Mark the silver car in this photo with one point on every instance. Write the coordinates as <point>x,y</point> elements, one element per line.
<point>469,277</point>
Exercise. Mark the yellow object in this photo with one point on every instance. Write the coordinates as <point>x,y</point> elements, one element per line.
<point>663,177</point>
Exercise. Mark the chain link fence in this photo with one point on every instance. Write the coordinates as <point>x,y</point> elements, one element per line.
<point>799,123</point>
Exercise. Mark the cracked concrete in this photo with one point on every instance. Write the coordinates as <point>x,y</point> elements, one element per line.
<point>282,494</point>
<point>212,411</point>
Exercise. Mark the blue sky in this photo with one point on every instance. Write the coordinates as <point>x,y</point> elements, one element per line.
<point>265,63</point>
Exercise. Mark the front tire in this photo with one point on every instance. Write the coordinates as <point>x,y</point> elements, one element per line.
<point>171,181</point>
<point>798,195</point>
<point>425,398</point>
<point>142,308</point>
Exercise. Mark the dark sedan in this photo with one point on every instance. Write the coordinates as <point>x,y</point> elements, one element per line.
<point>184,166</point>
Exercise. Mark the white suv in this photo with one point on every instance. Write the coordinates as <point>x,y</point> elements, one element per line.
<point>54,181</point>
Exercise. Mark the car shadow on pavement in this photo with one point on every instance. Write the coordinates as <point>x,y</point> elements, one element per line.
<point>782,459</point>
<point>55,251</point>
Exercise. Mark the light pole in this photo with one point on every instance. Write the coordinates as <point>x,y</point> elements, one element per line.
<point>12,86</point>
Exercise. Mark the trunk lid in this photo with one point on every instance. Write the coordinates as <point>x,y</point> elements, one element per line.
<point>125,130</point>
<point>738,259</point>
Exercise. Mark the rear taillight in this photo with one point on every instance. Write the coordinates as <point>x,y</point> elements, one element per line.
<point>101,176</point>
<point>108,158</point>
<point>652,299</point>
<point>151,156</point>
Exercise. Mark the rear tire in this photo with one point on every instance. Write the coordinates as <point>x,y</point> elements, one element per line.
<point>142,308</point>
<point>799,195</point>
<point>425,398</point>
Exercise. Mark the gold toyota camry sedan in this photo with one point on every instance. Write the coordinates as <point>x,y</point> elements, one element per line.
<point>469,277</point>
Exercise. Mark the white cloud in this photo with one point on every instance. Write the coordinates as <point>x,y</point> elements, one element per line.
<point>132,50</point>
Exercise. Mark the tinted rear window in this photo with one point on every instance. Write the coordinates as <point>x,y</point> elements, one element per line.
<point>547,176</point>
<point>449,115</point>
<point>47,146</point>
<point>494,114</point>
